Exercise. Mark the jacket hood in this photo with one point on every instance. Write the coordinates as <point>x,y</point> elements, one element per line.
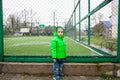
<point>56,29</point>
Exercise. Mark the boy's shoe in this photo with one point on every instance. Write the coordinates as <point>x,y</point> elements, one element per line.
<point>56,78</point>
<point>61,74</point>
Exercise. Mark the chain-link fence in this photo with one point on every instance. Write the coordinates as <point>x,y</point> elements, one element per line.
<point>91,31</point>
<point>95,23</point>
<point>29,27</point>
<point>24,32</point>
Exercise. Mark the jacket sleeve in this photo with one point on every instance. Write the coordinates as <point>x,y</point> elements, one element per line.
<point>65,48</point>
<point>53,48</point>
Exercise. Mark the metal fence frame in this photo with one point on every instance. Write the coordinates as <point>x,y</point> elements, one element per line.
<point>70,58</point>
<point>109,58</point>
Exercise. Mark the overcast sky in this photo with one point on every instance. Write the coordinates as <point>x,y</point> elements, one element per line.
<point>44,9</point>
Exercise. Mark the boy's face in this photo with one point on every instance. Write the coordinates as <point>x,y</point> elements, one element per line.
<point>60,32</point>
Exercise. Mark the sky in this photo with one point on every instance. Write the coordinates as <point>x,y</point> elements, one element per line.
<point>44,9</point>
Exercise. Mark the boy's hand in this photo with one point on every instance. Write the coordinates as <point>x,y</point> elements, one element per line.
<point>54,60</point>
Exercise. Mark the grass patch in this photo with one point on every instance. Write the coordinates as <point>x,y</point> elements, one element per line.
<point>97,40</point>
<point>33,45</point>
<point>75,49</point>
<point>107,77</point>
<point>40,46</point>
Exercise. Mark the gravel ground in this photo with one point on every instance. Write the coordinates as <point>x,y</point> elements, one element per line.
<point>7,76</point>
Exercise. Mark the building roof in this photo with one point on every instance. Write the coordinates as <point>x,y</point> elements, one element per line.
<point>107,24</point>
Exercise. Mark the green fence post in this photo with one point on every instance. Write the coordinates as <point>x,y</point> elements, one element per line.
<point>74,21</point>
<point>79,22</point>
<point>118,49</point>
<point>88,22</point>
<point>1,32</point>
<point>73,28</point>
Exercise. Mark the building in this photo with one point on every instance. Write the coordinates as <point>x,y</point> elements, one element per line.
<point>114,18</point>
<point>108,26</point>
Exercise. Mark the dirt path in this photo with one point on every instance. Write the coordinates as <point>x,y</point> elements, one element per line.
<point>7,76</point>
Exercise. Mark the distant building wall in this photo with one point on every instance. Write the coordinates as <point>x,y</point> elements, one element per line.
<point>114,18</point>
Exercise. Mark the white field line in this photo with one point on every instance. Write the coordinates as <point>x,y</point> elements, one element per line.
<point>86,47</point>
<point>30,43</point>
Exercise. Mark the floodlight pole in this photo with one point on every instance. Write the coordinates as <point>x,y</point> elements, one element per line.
<point>54,19</point>
<point>1,32</point>
<point>79,20</point>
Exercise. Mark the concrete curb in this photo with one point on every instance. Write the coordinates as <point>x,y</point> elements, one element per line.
<point>74,69</point>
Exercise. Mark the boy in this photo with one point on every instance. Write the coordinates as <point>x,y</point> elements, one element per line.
<point>58,50</point>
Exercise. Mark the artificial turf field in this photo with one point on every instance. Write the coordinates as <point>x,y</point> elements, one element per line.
<point>40,46</point>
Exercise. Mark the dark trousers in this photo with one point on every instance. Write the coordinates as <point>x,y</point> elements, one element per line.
<point>57,67</point>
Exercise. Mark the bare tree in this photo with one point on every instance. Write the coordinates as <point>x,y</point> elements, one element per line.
<point>17,20</point>
<point>25,15</point>
<point>11,19</point>
<point>32,14</point>
<point>6,25</point>
<point>99,29</point>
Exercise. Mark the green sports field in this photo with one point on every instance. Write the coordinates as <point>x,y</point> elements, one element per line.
<point>40,46</point>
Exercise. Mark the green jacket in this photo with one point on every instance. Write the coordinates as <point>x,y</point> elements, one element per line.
<point>58,46</point>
